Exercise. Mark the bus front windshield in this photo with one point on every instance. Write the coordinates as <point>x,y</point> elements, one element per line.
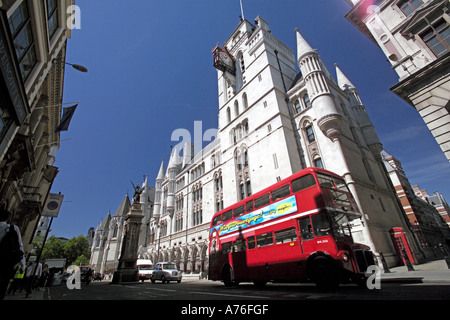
<point>340,223</point>
<point>327,223</point>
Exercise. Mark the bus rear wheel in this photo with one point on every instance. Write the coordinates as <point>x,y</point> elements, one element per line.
<point>227,276</point>
<point>324,273</point>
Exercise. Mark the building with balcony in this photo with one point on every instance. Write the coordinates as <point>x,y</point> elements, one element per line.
<point>33,38</point>
<point>415,36</point>
<point>279,111</point>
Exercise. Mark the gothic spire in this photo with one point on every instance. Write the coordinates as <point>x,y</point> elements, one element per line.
<point>161,172</point>
<point>303,46</point>
<point>343,82</point>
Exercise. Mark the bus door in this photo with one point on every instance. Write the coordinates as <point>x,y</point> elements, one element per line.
<point>239,258</point>
<point>307,242</point>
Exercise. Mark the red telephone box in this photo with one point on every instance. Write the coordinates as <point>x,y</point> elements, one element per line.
<point>401,245</point>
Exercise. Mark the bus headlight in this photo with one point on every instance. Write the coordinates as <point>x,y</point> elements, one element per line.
<point>345,257</point>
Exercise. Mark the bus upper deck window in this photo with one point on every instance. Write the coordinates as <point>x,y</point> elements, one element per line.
<point>217,220</point>
<point>239,211</point>
<point>281,192</point>
<point>303,183</point>
<point>262,201</point>
<point>227,215</point>
<point>249,206</point>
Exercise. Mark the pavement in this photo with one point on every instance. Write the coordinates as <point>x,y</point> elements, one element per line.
<point>430,272</point>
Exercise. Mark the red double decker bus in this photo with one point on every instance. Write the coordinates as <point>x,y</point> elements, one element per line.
<point>297,230</point>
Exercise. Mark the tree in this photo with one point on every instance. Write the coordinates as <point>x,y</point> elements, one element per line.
<point>53,249</point>
<point>76,251</point>
<point>75,248</point>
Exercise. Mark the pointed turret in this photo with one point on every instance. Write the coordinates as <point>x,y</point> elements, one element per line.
<point>161,174</point>
<point>104,225</point>
<point>303,46</point>
<point>360,112</point>
<point>343,82</point>
<point>315,74</point>
<point>124,207</point>
<point>158,190</point>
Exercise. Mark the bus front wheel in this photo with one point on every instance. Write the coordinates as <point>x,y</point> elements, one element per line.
<point>324,273</point>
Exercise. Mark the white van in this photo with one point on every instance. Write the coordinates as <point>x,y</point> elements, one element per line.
<point>145,269</point>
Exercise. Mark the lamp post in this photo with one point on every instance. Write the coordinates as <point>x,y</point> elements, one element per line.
<point>75,66</point>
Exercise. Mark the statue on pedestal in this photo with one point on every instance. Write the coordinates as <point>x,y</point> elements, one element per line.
<point>126,271</point>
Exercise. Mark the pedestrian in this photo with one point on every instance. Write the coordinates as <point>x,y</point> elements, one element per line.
<point>11,251</point>
<point>17,283</point>
<point>32,276</point>
<point>44,276</point>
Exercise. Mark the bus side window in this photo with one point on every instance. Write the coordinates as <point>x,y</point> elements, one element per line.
<point>281,192</point>
<point>285,235</point>
<point>250,206</point>
<point>306,228</point>
<point>238,211</point>
<point>251,242</point>
<point>303,183</point>
<point>265,239</point>
<point>216,220</point>
<point>262,201</point>
<point>239,245</point>
<point>226,247</point>
<point>227,215</point>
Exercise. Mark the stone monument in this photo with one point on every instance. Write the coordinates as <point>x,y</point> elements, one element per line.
<point>126,270</point>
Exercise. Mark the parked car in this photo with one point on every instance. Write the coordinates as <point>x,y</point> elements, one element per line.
<point>166,271</point>
<point>97,276</point>
<point>86,274</point>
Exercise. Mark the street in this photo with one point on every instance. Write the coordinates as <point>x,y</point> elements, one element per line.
<point>193,290</point>
<point>209,299</point>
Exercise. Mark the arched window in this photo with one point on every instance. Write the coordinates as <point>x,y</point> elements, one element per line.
<point>310,133</point>
<point>236,108</point>
<point>245,101</point>
<point>318,162</point>
<point>228,115</point>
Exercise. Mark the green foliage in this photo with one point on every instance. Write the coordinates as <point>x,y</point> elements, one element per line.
<point>76,250</point>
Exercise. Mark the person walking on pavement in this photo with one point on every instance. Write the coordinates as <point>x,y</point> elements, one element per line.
<point>17,283</point>
<point>11,251</point>
<point>34,272</point>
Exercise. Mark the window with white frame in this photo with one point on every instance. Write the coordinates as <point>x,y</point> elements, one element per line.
<point>52,17</point>
<point>22,33</point>
<point>437,37</point>
<point>409,6</point>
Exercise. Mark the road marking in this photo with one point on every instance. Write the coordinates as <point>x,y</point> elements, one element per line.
<point>231,295</point>
<point>168,290</point>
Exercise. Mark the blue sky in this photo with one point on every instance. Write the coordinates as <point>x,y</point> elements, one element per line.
<point>150,72</point>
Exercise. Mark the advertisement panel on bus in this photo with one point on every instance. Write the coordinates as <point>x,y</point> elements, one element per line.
<point>264,214</point>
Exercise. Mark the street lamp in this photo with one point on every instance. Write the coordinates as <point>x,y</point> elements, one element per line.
<point>75,66</point>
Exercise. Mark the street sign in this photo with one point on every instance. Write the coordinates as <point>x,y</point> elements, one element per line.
<point>52,205</point>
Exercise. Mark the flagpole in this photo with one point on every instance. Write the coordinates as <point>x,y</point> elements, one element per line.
<point>57,105</point>
<point>242,11</point>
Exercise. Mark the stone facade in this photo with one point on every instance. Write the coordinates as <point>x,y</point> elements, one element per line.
<point>413,34</point>
<point>273,121</point>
